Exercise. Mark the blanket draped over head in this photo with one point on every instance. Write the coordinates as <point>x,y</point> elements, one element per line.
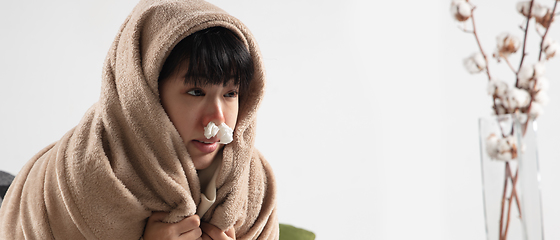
<point>125,159</point>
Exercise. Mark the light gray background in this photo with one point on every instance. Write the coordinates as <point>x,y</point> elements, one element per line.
<point>369,120</point>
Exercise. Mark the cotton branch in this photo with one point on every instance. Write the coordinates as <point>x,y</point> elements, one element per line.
<point>523,53</point>
<point>546,31</point>
<point>479,45</point>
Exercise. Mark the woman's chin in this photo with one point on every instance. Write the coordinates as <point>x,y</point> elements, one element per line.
<point>202,162</point>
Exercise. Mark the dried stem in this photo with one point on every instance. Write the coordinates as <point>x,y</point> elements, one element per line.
<point>546,31</point>
<point>511,197</point>
<point>508,63</point>
<point>474,32</point>
<point>479,45</point>
<point>514,192</point>
<point>523,53</point>
<point>503,204</point>
<point>508,218</point>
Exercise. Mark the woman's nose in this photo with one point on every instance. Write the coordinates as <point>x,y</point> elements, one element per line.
<point>213,113</point>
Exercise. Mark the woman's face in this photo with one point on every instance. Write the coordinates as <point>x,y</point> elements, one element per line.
<point>191,108</point>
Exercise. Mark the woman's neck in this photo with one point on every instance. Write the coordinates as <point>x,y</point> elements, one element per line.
<point>205,175</point>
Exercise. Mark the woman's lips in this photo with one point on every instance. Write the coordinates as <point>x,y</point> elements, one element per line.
<point>205,147</point>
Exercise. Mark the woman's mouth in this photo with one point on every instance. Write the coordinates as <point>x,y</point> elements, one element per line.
<point>204,146</point>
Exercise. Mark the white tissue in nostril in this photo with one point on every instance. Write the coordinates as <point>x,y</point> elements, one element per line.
<point>225,134</point>
<point>210,130</point>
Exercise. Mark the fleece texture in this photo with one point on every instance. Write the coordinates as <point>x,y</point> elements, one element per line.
<point>125,159</point>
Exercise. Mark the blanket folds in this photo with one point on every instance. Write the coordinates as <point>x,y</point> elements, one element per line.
<point>125,159</point>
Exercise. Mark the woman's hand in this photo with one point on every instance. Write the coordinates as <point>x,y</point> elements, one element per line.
<point>211,232</point>
<point>186,229</point>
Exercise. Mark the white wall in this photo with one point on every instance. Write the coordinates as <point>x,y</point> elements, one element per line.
<point>370,120</point>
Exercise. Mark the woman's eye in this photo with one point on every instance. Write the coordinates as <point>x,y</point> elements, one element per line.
<point>195,92</point>
<point>231,94</point>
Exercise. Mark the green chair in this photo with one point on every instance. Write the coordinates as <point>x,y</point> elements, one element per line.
<point>289,232</point>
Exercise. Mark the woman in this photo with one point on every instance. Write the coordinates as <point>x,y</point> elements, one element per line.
<point>138,163</point>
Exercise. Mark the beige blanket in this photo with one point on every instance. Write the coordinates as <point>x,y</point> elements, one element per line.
<point>125,159</point>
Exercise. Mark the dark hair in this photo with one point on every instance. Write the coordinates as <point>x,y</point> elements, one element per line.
<point>214,56</point>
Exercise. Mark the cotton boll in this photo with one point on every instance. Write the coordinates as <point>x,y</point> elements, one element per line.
<point>498,148</point>
<point>536,110</point>
<point>507,148</point>
<point>539,69</point>
<point>550,47</point>
<point>497,87</point>
<point>523,8</point>
<point>529,85</point>
<point>537,11</point>
<point>551,50</point>
<point>542,84</point>
<point>503,145</point>
<point>525,83</point>
<point>492,146</point>
<point>525,74</point>
<point>535,84</point>
<point>542,98</point>
<point>518,98</point>
<point>528,72</point>
<point>507,44</point>
<point>461,10</point>
<point>475,63</point>
<point>210,130</point>
<point>225,134</point>
<point>543,15</point>
<point>498,108</point>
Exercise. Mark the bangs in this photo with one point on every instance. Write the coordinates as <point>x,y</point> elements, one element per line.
<point>213,56</point>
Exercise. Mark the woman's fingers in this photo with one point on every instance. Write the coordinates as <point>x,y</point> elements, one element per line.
<point>195,233</point>
<point>188,224</point>
<point>188,228</point>
<point>230,233</point>
<point>215,233</point>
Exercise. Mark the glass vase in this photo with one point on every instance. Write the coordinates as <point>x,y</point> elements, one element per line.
<point>510,178</point>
